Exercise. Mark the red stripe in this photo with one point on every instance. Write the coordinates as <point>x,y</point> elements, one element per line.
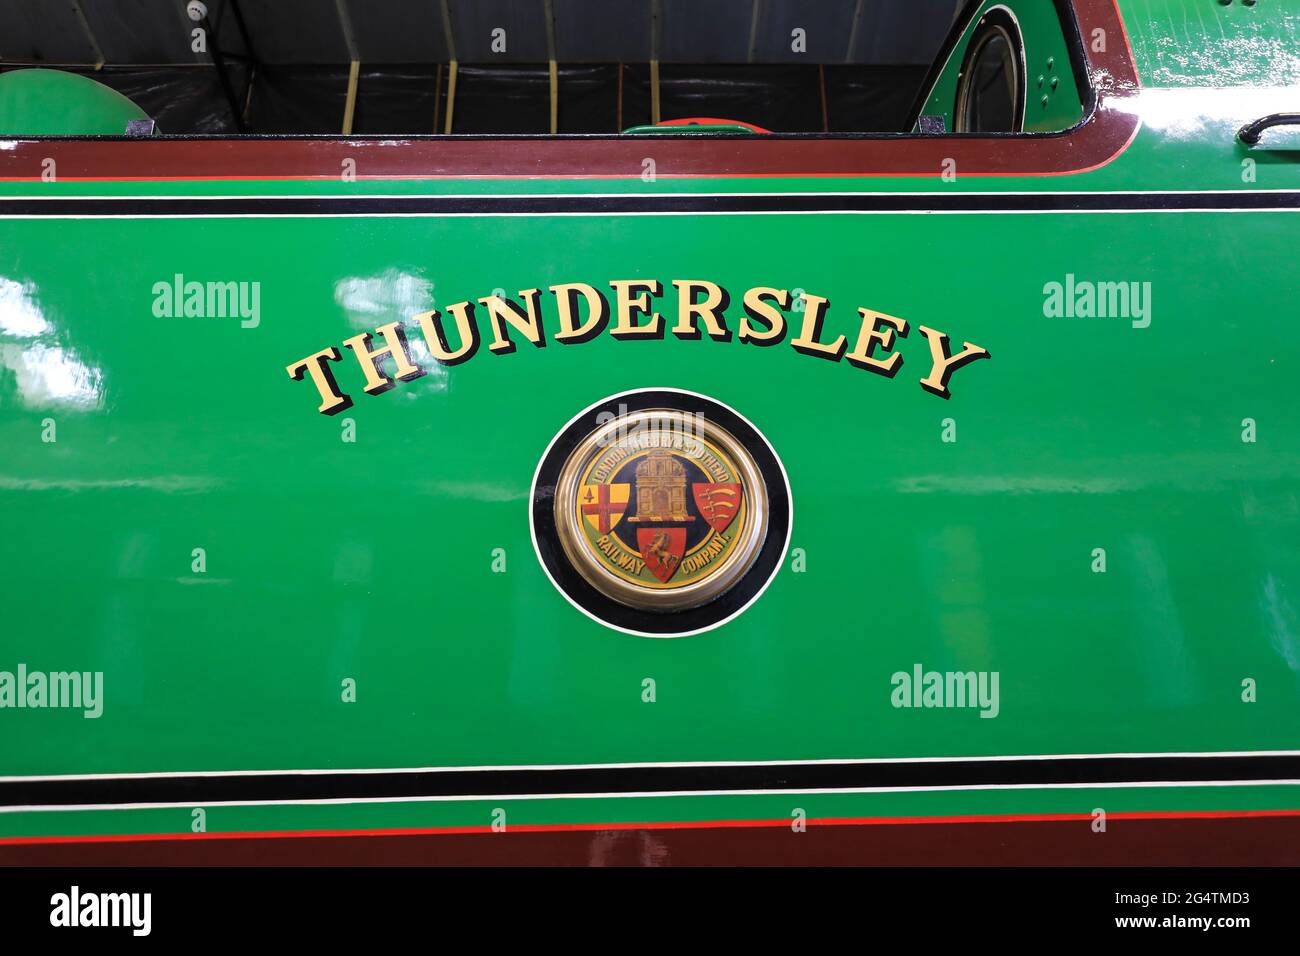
<point>659,825</point>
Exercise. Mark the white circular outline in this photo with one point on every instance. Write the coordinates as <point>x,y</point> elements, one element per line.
<point>532,498</point>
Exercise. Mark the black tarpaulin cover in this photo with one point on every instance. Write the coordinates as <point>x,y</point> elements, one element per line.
<point>516,98</point>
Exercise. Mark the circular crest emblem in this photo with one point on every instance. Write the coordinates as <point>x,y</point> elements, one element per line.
<point>660,512</point>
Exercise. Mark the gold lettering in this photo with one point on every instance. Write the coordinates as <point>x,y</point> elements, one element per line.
<point>945,364</point>
<point>395,346</point>
<point>503,312</point>
<point>566,300</point>
<point>758,310</point>
<point>628,306</point>
<point>332,400</point>
<point>715,302</point>
<point>435,334</point>
<point>814,312</point>
<point>701,308</point>
<point>871,335</point>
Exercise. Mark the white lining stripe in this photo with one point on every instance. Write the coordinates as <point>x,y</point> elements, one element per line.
<point>733,212</point>
<point>658,195</point>
<point>336,197</point>
<point>22,778</point>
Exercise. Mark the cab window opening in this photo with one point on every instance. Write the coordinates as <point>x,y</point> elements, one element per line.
<point>844,68</point>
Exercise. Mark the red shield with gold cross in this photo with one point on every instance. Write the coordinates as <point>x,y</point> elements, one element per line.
<point>718,503</point>
<point>603,505</point>
<point>662,549</point>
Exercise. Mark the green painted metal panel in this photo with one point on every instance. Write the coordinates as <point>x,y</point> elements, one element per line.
<point>55,103</point>
<point>372,559</point>
<point>1052,98</point>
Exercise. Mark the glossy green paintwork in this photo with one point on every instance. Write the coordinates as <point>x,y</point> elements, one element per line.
<point>55,103</point>
<point>1052,100</point>
<point>372,560</point>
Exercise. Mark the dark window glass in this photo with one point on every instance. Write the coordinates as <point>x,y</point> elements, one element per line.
<point>988,99</point>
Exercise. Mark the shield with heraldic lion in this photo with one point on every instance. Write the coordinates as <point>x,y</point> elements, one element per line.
<point>662,549</point>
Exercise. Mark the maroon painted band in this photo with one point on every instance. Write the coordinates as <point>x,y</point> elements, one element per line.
<point>1260,839</point>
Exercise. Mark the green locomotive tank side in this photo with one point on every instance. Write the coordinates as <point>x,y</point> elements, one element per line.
<point>1103,513</point>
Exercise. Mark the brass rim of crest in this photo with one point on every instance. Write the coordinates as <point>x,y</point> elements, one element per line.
<point>738,561</point>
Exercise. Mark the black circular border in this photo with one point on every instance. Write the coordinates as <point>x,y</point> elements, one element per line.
<point>660,623</point>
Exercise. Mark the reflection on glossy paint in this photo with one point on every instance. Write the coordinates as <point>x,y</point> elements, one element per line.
<point>19,315</point>
<point>1281,616</point>
<point>1195,43</point>
<point>167,484</point>
<point>1194,113</point>
<point>393,296</point>
<point>1164,656</point>
<point>489,491</point>
<point>47,374</point>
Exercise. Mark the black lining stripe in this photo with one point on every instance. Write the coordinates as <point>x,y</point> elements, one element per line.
<point>677,203</point>
<point>356,785</point>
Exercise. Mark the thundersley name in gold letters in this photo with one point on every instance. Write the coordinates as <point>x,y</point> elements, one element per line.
<point>454,337</point>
